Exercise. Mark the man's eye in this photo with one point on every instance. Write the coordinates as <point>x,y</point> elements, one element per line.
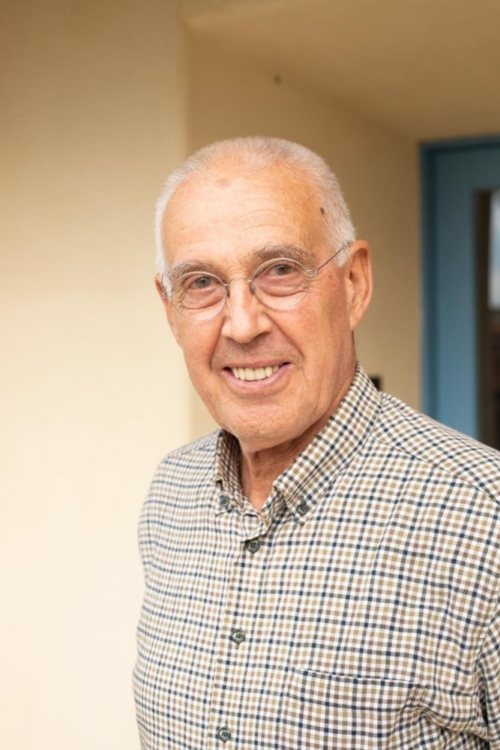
<point>282,269</point>
<point>199,282</point>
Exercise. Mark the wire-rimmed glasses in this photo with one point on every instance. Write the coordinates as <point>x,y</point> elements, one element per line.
<point>279,284</point>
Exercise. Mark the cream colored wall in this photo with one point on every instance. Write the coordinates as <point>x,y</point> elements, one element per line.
<point>378,171</point>
<point>92,388</point>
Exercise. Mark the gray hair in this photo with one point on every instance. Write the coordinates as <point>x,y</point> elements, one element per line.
<point>257,152</point>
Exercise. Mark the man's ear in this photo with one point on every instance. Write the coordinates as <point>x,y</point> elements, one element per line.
<point>167,306</point>
<point>358,280</point>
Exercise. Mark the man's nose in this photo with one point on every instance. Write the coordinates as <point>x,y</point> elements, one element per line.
<point>245,317</point>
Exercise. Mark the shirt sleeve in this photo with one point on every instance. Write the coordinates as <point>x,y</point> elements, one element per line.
<point>489,677</point>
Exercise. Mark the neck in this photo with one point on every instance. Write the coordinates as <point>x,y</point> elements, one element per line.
<point>260,468</point>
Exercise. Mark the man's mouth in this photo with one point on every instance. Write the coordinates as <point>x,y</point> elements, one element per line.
<point>254,373</point>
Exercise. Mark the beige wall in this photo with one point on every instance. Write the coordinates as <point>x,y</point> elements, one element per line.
<point>92,389</point>
<point>378,171</point>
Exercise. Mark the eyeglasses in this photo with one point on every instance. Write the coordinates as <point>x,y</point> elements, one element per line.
<point>279,284</point>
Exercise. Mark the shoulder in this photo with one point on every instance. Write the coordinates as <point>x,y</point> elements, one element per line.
<point>465,460</point>
<point>192,457</point>
<point>183,470</point>
<point>179,477</point>
<point>205,444</point>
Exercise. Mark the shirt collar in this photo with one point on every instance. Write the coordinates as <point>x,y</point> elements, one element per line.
<point>307,479</point>
<point>227,463</point>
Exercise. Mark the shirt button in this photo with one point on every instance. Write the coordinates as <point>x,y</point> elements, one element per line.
<point>224,501</point>
<point>302,508</point>
<point>253,545</point>
<point>223,733</point>
<point>237,636</point>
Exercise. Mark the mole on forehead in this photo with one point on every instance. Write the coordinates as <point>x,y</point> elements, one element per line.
<point>223,182</point>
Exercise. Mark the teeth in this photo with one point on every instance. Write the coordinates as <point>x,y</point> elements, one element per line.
<point>251,373</point>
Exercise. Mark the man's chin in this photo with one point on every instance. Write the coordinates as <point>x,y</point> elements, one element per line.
<point>262,435</point>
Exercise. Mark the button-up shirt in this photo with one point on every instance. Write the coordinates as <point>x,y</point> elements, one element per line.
<point>359,609</point>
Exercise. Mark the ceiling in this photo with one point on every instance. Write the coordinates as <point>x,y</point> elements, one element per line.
<point>424,68</point>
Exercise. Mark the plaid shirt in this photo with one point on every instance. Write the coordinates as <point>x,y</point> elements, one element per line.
<point>360,610</point>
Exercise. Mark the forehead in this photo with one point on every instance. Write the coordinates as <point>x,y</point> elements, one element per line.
<point>230,213</point>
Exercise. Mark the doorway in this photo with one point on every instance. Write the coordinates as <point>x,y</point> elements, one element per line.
<point>461,271</point>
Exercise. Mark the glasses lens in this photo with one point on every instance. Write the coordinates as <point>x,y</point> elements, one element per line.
<point>281,284</point>
<point>198,295</point>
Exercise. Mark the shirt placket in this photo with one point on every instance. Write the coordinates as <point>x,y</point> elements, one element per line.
<point>235,637</point>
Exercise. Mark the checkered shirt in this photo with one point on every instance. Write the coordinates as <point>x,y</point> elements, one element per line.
<point>358,611</point>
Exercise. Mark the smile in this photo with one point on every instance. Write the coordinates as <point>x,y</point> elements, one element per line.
<point>254,373</point>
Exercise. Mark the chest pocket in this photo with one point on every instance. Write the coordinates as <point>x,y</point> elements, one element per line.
<point>338,712</point>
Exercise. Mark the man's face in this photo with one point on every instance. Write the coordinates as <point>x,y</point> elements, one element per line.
<point>222,223</point>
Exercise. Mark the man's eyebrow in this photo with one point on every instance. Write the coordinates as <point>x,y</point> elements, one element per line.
<point>293,252</point>
<point>189,266</point>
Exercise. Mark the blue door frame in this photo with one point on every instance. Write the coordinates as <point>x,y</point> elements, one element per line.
<point>451,173</point>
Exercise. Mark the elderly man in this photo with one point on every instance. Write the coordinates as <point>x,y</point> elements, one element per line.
<point>324,571</point>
